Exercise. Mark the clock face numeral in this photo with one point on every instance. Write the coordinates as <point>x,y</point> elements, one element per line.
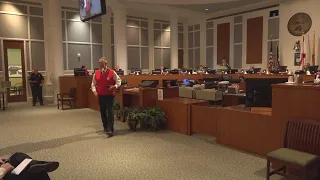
<point>299,24</point>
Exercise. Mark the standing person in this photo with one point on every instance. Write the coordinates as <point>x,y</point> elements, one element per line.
<point>36,82</point>
<point>105,81</point>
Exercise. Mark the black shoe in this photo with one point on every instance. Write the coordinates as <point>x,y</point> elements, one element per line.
<point>109,134</point>
<point>42,104</point>
<point>33,104</point>
<point>43,166</point>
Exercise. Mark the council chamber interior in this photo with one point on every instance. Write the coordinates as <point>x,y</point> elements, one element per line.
<point>244,72</point>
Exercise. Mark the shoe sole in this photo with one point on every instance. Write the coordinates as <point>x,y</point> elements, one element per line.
<point>48,167</point>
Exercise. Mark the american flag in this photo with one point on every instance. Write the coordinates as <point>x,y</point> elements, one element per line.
<point>303,54</point>
<point>270,66</point>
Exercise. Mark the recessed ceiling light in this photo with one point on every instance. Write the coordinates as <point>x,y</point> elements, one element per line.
<point>206,9</point>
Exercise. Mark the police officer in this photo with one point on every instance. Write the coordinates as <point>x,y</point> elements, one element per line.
<point>36,82</point>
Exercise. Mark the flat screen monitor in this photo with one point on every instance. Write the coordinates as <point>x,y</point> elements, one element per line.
<point>149,83</point>
<point>313,69</point>
<point>282,69</point>
<point>156,72</point>
<point>174,71</point>
<point>90,9</point>
<point>79,72</point>
<point>259,91</point>
<point>211,71</point>
<point>120,72</point>
<point>170,83</point>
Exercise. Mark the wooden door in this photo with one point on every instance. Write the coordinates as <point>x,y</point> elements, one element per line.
<point>15,70</point>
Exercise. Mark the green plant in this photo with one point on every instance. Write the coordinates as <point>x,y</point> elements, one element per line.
<point>116,109</point>
<point>116,106</point>
<point>152,118</point>
<point>133,118</point>
<point>155,118</point>
<point>124,112</point>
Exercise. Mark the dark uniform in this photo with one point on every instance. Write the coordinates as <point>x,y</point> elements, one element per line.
<point>36,88</point>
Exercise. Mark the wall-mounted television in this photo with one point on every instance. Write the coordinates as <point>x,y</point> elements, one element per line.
<point>90,9</point>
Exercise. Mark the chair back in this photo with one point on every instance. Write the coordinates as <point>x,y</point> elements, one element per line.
<point>72,92</point>
<point>303,135</point>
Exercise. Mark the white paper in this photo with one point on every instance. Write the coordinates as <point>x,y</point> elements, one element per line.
<point>160,94</point>
<point>21,166</point>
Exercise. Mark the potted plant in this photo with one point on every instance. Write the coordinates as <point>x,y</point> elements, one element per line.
<point>116,110</point>
<point>155,118</point>
<point>124,112</point>
<point>133,118</point>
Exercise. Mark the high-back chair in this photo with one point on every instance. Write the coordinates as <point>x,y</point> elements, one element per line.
<point>301,149</point>
<point>67,97</point>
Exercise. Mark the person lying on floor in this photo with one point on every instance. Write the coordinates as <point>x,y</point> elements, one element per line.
<point>35,170</point>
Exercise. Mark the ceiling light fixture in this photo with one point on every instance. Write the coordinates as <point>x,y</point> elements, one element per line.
<point>206,9</point>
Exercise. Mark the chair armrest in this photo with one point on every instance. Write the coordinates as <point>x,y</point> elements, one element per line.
<point>61,95</point>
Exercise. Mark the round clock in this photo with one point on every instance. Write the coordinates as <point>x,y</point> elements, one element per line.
<point>299,24</point>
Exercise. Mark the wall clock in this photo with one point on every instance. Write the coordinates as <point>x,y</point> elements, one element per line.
<point>299,24</point>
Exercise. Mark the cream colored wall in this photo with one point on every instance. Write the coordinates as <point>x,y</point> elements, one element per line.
<point>287,10</point>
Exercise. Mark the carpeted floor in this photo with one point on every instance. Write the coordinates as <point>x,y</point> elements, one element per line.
<point>73,138</point>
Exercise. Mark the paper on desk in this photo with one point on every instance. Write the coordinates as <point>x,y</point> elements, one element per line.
<point>21,166</point>
<point>160,94</point>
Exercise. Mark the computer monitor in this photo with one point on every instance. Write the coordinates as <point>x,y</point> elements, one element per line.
<point>232,71</point>
<point>149,83</point>
<point>313,69</point>
<point>170,83</point>
<point>189,70</point>
<point>79,72</point>
<point>156,71</point>
<point>120,72</point>
<point>259,91</point>
<point>211,71</point>
<point>174,71</point>
<point>282,69</point>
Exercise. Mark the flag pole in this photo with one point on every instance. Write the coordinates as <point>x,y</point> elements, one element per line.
<point>313,58</point>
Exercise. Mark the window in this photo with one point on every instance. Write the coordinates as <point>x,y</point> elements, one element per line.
<point>194,46</point>
<point>137,43</point>
<point>81,38</point>
<point>162,51</point>
<point>210,44</point>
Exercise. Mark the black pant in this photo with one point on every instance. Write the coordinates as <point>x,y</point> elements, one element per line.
<point>106,110</point>
<point>15,160</point>
<point>37,93</point>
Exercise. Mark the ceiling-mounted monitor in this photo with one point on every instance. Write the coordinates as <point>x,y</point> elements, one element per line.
<point>90,9</point>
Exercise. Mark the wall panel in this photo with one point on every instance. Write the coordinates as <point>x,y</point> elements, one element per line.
<point>223,42</point>
<point>254,40</point>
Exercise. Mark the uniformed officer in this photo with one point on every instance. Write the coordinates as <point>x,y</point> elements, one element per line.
<point>36,82</point>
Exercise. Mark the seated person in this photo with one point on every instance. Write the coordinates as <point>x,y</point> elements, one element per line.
<point>86,70</point>
<point>225,65</point>
<point>36,170</point>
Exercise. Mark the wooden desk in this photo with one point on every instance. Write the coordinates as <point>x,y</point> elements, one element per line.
<point>82,84</point>
<point>291,101</point>
<point>138,97</point>
<point>178,112</point>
